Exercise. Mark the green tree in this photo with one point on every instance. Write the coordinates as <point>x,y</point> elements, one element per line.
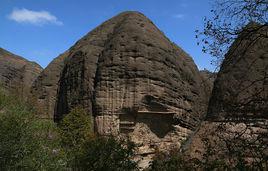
<point>87,151</point>
<point>75,130</point>
<point>27,142</point>
<point>107,153</point>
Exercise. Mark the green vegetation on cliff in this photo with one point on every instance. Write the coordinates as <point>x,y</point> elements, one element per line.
<point>87,151</point>
<point>30,143</point>
<point>27,143</point>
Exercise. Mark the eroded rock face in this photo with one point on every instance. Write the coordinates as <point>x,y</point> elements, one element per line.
<point>241,87</point>
<point>227,141</point>
<point>44,88</point>
<point>17,74</point>
<point>237,121</point>
<point>134,82</point>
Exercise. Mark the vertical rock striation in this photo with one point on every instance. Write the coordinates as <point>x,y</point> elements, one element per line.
<point>132,80</point>
<point>128,62</point>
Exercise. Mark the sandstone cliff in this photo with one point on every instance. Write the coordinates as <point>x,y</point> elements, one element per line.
<point>131,79</point>
<point>241,88</point>
<point>134,82</point>
<point>237,122</point>
<point>16,73</point>
<point>209,78</point>
<point>44,88</point>
<point>127,61</point>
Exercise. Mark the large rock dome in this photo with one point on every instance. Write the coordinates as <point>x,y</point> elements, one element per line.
<point>131,79</point>
<point>237,123</point>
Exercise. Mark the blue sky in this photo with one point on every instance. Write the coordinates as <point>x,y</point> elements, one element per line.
<point>40,30</point>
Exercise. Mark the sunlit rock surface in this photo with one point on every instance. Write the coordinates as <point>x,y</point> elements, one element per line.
<point>132,80</point>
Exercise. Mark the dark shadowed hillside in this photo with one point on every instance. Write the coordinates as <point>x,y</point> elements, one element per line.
<point>16,73</point>
<point>236,126</point>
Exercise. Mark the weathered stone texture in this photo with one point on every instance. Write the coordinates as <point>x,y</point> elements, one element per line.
<point>238,109</point>
<point>17,74</point>
<point>134,82</point>
<point>227,139</point>
<point>44,88</point>
<point>241,87</point>
<point>131,79</point>
<point>208,79</point>
<point>133,64</point>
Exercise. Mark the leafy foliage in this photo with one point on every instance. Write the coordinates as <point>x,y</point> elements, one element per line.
<point>30,143</point>
<point>75,130</point>
<point>107,153</point>
<point>87,151</point>
<point>27,143</point>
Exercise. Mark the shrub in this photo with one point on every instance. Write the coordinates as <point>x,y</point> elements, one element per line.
<point>170,162</point>
<point>107,153</point>
<point>75,129</point>
<point>86,151</point>
<point>177,162</point>
<point>27,143</point>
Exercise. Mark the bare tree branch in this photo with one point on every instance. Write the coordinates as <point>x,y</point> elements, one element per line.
<point>229,18</point>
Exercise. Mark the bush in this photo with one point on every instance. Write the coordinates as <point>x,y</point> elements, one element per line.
<point>170,162</point>
<point>30,143</point>
<point>86,151</point>
<point>27,143</point>
<point>75,130</point>
<point>211,159</point>
<point>177,162</point>
<point>107,153</point>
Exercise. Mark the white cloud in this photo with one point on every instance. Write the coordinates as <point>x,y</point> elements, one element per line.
<point>33,17</point>
<point>179,16</point>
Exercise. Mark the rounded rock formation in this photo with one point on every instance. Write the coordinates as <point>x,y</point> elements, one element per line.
<point>236,127</point>
<point>132,80</point>
<point>17,74</point>
<point>241,88</point>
